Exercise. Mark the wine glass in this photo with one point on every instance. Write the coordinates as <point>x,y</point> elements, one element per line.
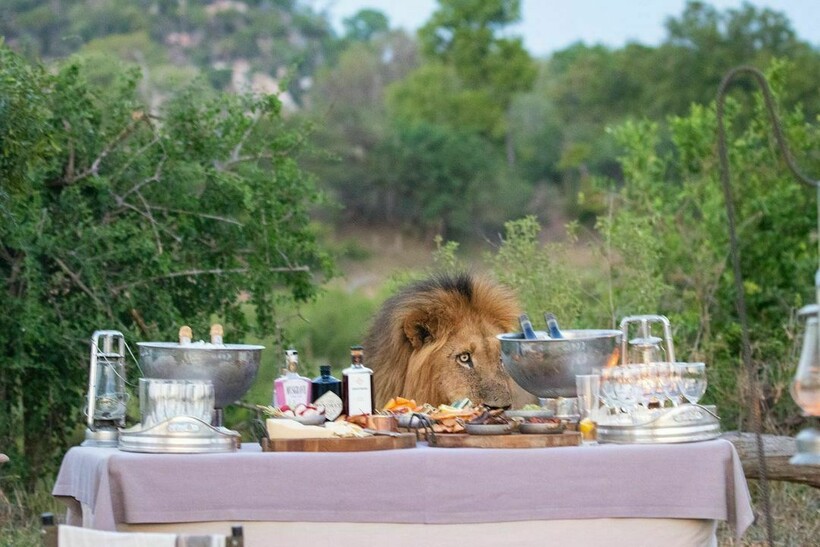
<point>624,379</point>
<point>692,380</point>
<point>608,390</point>
<point>668,380</point>
<point>645,382</point>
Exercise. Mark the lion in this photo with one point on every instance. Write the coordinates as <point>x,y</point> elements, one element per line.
<point>435,342</point>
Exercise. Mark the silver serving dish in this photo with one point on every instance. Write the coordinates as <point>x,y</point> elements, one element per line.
<point>179,435</point>
<point>547,367</point>
<point>488,429</point>
<point>541,413</point>
<point>541,428</point>
<point>682,424</point>
<point>231,368</point>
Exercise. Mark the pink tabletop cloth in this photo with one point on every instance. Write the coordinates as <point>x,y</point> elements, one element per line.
<point>419,485</point>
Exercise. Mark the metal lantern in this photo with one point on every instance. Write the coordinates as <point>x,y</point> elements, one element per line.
<point>805,389</point>
<point>107,397</point>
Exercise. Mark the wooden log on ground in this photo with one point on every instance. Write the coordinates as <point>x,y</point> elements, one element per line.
<point>777,450</point>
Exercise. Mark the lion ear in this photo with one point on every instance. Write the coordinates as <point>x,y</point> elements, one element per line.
<point>418,329</point>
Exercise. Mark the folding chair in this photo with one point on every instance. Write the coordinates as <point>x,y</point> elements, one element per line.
<point>74,536</point>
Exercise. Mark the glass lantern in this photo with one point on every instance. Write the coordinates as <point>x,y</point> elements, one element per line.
<point>805,389</point>
<point>107,397</point>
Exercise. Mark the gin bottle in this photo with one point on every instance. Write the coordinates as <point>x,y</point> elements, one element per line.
<point>357,385</point>
<point>327,393</point>
<point>291,389</point>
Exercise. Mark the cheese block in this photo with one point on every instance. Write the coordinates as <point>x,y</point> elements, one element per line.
<point>290,429</point>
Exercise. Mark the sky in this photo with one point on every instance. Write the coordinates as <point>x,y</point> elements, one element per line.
<point>551,25</point>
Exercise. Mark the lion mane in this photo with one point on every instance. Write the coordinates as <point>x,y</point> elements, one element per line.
<point>435,341</point>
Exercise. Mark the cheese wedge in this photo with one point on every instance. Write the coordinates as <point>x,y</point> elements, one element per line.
<point>290,429</point>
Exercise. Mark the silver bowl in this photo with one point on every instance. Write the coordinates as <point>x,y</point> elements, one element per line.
<point>231,367</point>
<point>547,367</point>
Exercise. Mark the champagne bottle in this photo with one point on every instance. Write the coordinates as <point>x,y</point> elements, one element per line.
<point>357,385</point>
<point>216,334</point>
<point>552,326</point>
<point>526,327</point>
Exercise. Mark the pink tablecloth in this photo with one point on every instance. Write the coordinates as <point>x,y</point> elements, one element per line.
<point>420,485</point>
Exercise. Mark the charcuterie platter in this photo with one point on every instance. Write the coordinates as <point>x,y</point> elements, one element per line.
<point>351,444</point>
<point>511,440</point>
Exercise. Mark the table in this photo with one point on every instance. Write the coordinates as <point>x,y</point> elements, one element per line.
<point>490,493</point>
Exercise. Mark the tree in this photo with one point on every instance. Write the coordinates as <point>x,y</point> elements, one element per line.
<point>365,25</point>
<point>113,218</point>
<point>464,35</point>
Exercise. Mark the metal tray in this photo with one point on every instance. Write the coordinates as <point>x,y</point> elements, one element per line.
<point>179,435</point>
<point>682,424</point>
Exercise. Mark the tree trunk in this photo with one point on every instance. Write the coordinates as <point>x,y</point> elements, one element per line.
<point>777,450</point>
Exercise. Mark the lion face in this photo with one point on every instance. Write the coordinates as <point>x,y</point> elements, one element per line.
<point>435,342</point>
<point>463,363</point>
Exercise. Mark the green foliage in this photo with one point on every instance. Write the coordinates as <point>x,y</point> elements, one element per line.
<point>541,273</point>
<point>671,213</point>
<point>464,35</point>
<point>113,218</point>
<point>365,25</point>
<point>433,169</point>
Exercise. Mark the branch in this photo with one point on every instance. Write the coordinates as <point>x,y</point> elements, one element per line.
<point>201,215</point>
<point>216,271</point>
<point>84,287</point>
<point>224,166</point>
<point>136,118</point>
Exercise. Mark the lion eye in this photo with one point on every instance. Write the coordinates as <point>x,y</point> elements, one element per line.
<point>465,359</point>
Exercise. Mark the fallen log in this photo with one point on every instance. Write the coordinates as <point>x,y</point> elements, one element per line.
<point>777,450</point>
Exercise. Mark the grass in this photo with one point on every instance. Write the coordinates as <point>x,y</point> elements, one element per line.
<point>20,513</point>
<point>795,515</point>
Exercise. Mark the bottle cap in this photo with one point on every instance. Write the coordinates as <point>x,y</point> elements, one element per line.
<point>291,360</point>
<point>324,370</point>
<point>356,354</point>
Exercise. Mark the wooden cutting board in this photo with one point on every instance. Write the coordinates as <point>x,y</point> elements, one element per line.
<point>512,440</point>
<point>376,442</point>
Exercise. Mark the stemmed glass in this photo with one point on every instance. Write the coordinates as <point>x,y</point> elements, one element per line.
<point>645,384</point>
<point>668,380</point>
<point>623,387</point>
<point>608,389</point>
<point>692,380</point>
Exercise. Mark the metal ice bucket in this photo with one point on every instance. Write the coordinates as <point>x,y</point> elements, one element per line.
<point>231,368</point>
<point>547,367</point>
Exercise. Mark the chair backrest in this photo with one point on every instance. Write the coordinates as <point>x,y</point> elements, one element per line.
<point>73,536</point>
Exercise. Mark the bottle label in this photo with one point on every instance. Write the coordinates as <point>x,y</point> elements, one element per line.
<point>358,394</point>
<point>332,404</point>
<point>291,392</point>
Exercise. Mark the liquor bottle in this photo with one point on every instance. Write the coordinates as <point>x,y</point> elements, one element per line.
<point>357,385</point>
<point>216,334</point>
<point>327,393</point>
<point>552,326</point>
<point>526,327</point>
<point>291,389</point>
